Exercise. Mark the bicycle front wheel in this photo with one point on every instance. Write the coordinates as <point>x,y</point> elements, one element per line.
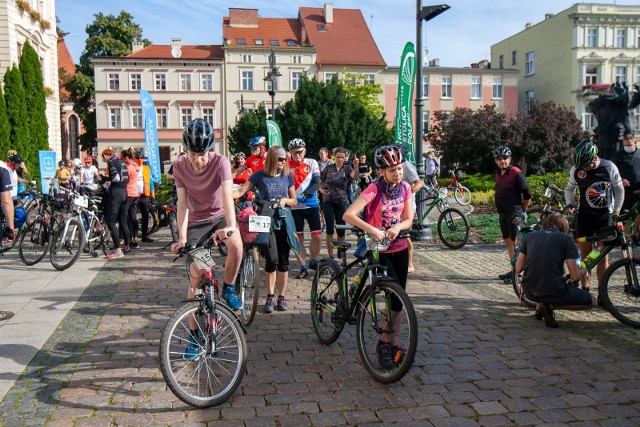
<point>453,228</point>
<point>378,323</point>
<point>462,195</point>
<point>249,286</point>
<point>173,226</point>
<point>620,291</point>
<point>34,242</point>
<point>326,302</point>
<point>206,369</point>
<point>67,245</point>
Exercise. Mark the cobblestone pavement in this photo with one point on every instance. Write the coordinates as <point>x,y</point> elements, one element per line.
<point>482,359</point>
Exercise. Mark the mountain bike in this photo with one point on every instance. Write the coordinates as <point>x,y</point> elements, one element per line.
<point>460,193</point>
<point>554,202</point>
<point>453,225</point>
<point>366,304</point>
<point>248,284</point>
<point>70,239</point>
<point>35,242</point>
<point>203,350</point>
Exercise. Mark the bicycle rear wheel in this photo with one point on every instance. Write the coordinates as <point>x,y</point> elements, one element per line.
<point>67,245</point>
<point>453,228</point>
<point>374,327</point>
<point>326,302</point>
<point>210,371</point>
<point>620,291</point>
<point>248,288</point>
<point>462,195</point>
<point>35,242</point>
<point>516,282</point>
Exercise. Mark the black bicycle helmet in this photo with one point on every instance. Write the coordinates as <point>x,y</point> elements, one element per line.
<point>198,136</point>
<point>389,155</point>
<point>15,158</point>
<point>501,151</point>
<point>585,152</point>
<point>296,143</point>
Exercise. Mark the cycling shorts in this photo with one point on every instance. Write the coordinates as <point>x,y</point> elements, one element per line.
<point>197,230</point>
<point>506,221</point>
<point>312,215</point>
<point>588,223</point>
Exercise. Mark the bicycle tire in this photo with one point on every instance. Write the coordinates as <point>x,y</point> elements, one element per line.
<point>173,226</point>
<point>326,301</point>
<point>248,288</point>
<point>207,380</point>
<point>222,249</point>
<point>369,331</point>
<point>154,219</point>
<point>35,242</point>
<point>516,283</point>
<point>618,296</point>
<point>99,230</point>
<point>64,255</point>
<point>534,218</point>
<point>462,195</point>
<point>453,228</point>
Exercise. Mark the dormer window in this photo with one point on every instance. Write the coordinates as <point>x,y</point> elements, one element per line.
<point>258,42</point>
<point>242,41</point>
<point>275,42</point>
<point>322,27</point>
<point>291,42</point>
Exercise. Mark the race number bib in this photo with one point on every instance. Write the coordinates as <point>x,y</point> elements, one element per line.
<point>259,224</point>
<point>202,258</point>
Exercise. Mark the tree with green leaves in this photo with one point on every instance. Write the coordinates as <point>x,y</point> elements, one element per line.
<point>14,97</point>
<point>36,104</point>
<point>5,127</point>
<point>249,125</point>
<point>356,86</point>
<point>107,35</point>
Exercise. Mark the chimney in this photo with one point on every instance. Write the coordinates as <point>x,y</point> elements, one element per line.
<point>176,42</point>
<point>328,13</point>
<point>136,46</point>
<point>528,25</point>
<point>243,17</point>
<point>548,15</point>
<point>475,65</point>
<point>435,62</point>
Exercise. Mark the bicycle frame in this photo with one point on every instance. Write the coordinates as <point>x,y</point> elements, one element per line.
<point>438,201</point>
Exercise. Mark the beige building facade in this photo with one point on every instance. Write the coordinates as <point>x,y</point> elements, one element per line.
<point>33,21</point>
<point>571,56</point>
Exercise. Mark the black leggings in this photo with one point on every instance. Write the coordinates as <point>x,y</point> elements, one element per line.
<point>333,213</point>
<point>132,216</point>
<point>143,205</point>
<point>276,253</point>
<point>117,211</point>
<point>397,264</point>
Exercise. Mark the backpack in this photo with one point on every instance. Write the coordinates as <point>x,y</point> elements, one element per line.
<point>250,237</point>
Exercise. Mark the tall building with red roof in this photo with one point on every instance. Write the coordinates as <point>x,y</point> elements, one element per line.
<point>70,126</point>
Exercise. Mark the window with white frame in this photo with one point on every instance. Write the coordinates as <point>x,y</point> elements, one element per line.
<point>135,81</point>
<point>591,75</point>
<point>206,82</point>
<point>186,115</point>
<point>329,76</point>
<point>514,57</point>
<point>589,121</point>
<point>426,121</point>
<point>621,38</point>
<point>638,38</point>
<point>160,81</point>
<point>296,59</point>
<point>638,75</point>
<point>497,87</point>
<point>636,115</point>
<point>246,78</point>
<point>447,88</point>
<point>136,118</point>
<point>246,57</point>
<point>295,79</point>
<point>208,115</point>
<point>528,96</point>
<point>162,118</point>
<point>529,63</point>
<point>620,74</point>
<point>592,37</point>
<point>369,78</point>
<point>115,118</point>
<point>476,87</point>
<point>185,82</point>
<point>425,86</point>
<point>114,81</point>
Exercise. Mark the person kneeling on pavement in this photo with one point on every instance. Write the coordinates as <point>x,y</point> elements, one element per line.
<point>542,257</point>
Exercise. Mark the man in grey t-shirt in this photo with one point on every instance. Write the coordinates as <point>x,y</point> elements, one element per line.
<point>410,175</point>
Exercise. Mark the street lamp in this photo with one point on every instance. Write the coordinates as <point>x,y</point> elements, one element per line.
<point>272,78</point>
<point>426,13</point>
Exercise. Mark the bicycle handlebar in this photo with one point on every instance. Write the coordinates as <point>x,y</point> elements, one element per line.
<point>358,231</point>
<point>206,243</point>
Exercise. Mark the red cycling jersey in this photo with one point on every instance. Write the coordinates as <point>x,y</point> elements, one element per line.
<point>255,163</point>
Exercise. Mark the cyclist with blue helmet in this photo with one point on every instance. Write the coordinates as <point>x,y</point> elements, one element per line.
<point>255,161</point>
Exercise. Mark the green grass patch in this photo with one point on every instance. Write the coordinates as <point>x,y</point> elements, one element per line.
<point>485,228</point>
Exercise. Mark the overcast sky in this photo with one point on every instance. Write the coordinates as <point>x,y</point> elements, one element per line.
<point>458,37</point>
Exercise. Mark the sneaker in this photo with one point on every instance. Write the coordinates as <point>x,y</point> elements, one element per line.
<point>115,254</point>
<point>313,264</point>
<point>599,301</point>
<point>127,251</point>
<point>134,245</point>
<point>282,303</point>
<point>549,317</point>
<point>504,276</point>
<point>538,314</point>
<point>147,240</point>
<point>268,307</point>
<point>410,269</point>
<point>230,296</point>
<point>385,354</point>
<point>303,273</point>
<point>192,352</point>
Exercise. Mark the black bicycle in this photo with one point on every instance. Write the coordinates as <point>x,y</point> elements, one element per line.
<point>367,304</point>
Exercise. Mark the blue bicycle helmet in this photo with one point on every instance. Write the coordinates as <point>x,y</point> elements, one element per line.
<point>257,140</point>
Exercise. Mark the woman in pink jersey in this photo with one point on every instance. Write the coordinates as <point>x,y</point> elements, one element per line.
<point>132,195</point>
<point>388,211</point>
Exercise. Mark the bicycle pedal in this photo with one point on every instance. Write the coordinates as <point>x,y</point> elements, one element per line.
<point>352,320</point>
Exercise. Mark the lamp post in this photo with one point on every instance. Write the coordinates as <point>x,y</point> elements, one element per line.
<point>272,78</point>
<point>425,13</point>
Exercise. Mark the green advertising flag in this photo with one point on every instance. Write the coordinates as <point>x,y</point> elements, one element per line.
<point>404,110</point>
<point>273,133</point>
